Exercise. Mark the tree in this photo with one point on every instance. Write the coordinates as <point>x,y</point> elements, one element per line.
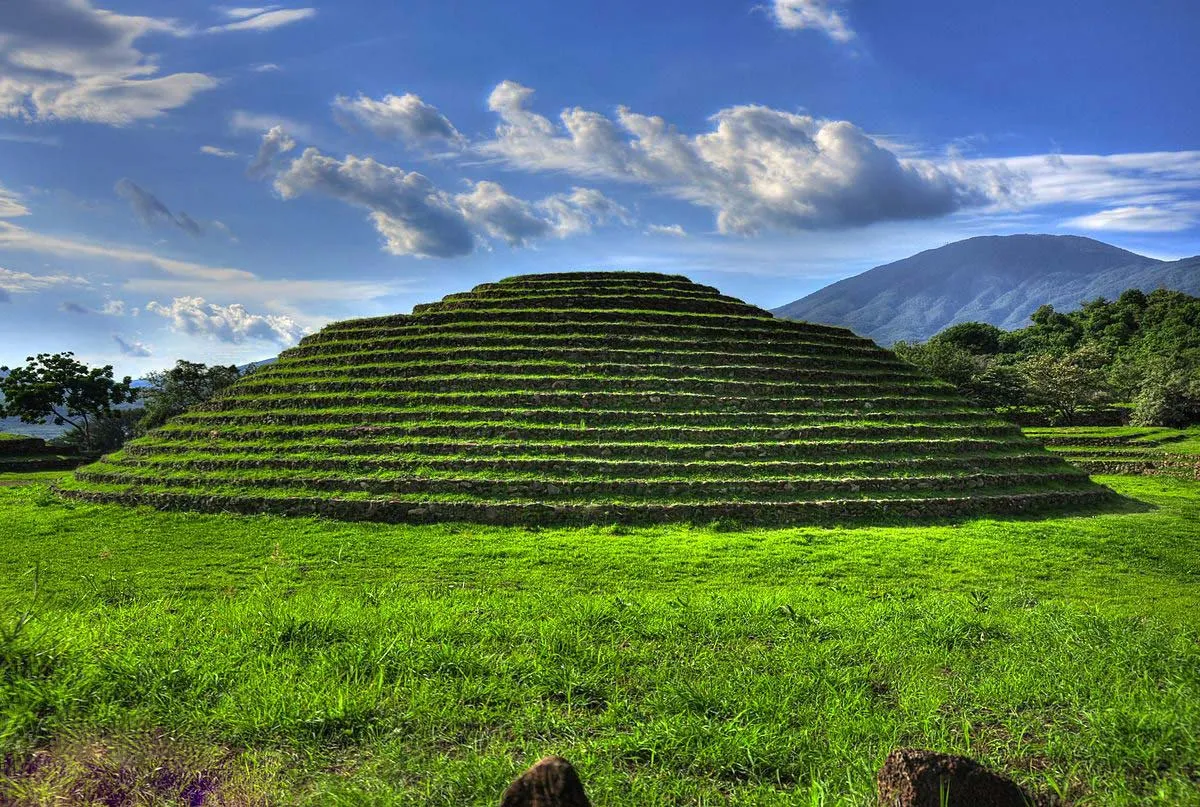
<point>1062,386</point>
<point>979,338</point>
<point>1168,397</point>
<point>56,386</point>
<point>180,388</point>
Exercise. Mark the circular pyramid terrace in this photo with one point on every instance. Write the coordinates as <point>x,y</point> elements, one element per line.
<point>590,397</point>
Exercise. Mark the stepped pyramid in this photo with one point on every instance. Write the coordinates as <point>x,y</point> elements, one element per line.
<point>591,397</point>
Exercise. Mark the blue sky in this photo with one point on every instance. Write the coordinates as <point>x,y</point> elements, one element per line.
<point>186,180</point>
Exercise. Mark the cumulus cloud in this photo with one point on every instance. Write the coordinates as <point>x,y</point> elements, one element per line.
<point>675,230</point>
<point>488,207</point>
<point>401,117</point>
<point>417,218</point>
<point>219,152</point>
<point>413,216</point>
<point>131,347</point>
<point>261,19</point>
<point>151,211</point>
<point>225,323</point>
<point>66,60</point>
<point>758,168</point>
<point>818,15</point>
<point>275,142</point>
<point>577,212</point>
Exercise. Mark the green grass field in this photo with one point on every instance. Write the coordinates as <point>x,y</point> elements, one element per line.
<point>168,657</point>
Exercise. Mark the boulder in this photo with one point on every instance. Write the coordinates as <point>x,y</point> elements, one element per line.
<point>552,782</point>
<point>912,777</point>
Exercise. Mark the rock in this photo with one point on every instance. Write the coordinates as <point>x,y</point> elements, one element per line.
<point>912,777</point>
<point>552,782</point>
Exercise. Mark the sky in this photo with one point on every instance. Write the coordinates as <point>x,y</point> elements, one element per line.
<point>180,180</point>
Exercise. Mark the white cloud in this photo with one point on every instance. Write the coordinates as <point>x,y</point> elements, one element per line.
<point>25,283</point>
<point>225,323</point>
<point>1134,178</point>
<point>1140,218</point>
<point>10,204</point>
<point>14,237</point>
<point>263,19</point>
<point>1135,192</point>
<point>242,121</point>
<point>275,142</point>
<point>151,211</point>
<point>266,67</point>
<point>577,212</point>
<point>114,308</point>
<point>417,218</point>
<point>219,152</point>
<point>131,347</point>
<point>244,12</point>
<point>758,168</point>
<point>675,230</point>
<point>819,15</point>
<point>413,216</point>
<point>403,117</point>
<point>65,60</point>
<point>488,207</point>
<point>223,228</point>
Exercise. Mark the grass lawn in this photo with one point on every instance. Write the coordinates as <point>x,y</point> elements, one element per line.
<point>169,656</point>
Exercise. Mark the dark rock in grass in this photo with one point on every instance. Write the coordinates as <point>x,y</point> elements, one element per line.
<point>552,782</point>
<point>912,777</point>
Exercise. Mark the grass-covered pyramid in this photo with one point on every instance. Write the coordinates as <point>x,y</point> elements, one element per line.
<point>591,397</point>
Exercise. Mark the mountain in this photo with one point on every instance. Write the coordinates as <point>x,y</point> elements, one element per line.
<point>996,279</point>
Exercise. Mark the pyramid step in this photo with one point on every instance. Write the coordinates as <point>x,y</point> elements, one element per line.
<point>337,417</point>
<point>667,286</point>
<point>624,294</point>
<point>468,350</point>
<point>696,490</point>
<point>458,367</point>
<point>424,428</point>
<point>650,386</point>
<point>501,513</point>
<point>616,324</point>
<point>581,402</point>
<point>653,452</point>
<point>172,458</point>
<point>628,305</point>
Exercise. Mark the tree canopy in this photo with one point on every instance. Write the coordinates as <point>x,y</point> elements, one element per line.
<point>57,386</point>
<point>1140,349</point>
<point>183,386</point>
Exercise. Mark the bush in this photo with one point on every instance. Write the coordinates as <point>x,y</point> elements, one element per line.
<point>1168,400</point>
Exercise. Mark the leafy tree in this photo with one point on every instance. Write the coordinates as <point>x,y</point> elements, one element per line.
<point>983,379</point>
<point>1063,385</point>
<point>107,434</point>
<point>57,386</point>
<point>979,338</point>
<point>1168,398</point>
<point>185,385</point>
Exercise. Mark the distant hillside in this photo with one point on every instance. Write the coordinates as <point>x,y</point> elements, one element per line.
<point>996,279</point>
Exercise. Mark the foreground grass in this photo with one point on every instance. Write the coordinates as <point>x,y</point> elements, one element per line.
<point>276,660</point>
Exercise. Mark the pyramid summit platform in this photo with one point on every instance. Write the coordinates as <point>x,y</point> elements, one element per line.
<point>589,398</point>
